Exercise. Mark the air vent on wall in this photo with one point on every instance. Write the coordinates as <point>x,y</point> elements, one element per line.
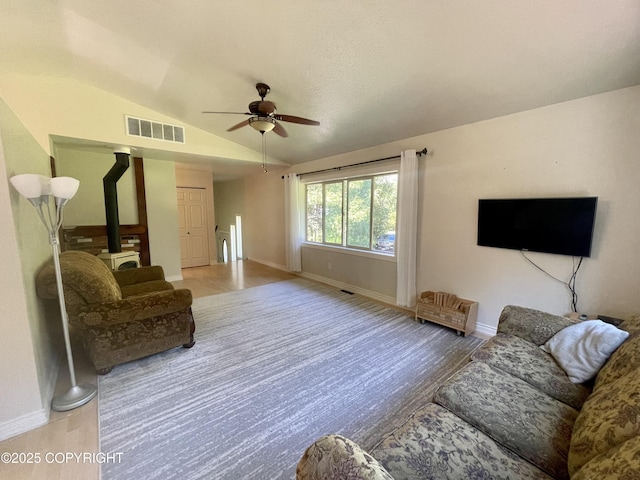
<point>140,127</point>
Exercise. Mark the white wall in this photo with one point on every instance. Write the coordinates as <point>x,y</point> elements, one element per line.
<point>263,221</point>
<point>29,329</point>
<point>67,108</point>
<point>587,146</point>
<point>162,215</point>
<point>229,200</point>
<point>373,276</point>
<point>259,199</point>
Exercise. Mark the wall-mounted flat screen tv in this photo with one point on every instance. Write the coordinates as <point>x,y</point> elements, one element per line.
<point>550,225</point>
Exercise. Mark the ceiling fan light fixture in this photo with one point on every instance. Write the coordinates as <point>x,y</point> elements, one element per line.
<point>263,124</point>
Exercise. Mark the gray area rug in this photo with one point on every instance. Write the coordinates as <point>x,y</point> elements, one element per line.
<point>274,368</point>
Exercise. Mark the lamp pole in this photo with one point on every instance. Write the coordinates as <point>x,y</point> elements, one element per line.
<point>77,395</point>
<point>37,189</point>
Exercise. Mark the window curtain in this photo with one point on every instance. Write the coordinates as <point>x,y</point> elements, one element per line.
<point>407,235</point>
<point>292,222</point>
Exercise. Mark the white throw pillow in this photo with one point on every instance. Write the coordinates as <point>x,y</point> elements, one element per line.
<point>582,349</point>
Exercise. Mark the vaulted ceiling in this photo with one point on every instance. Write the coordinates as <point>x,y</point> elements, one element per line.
<point>370,71</point>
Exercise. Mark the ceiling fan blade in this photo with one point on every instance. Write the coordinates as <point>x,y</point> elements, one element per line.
<point>240,125</point>
<point>232,113</point>
<point>279,129</point>
<point>292,119</point>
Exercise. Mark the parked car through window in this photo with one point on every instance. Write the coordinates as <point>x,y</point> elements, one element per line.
<point>386,242</point>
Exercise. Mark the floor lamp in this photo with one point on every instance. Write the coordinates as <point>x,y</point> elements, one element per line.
<point>37,189</point>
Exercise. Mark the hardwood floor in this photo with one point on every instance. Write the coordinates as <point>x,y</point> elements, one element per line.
<point>76,431</point>
<point>227,277</point>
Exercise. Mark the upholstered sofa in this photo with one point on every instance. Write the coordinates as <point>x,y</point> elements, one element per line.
<point>512,413</point>
<point>122,315</point>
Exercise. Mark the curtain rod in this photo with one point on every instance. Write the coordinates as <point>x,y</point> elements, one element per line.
<point>421,152</point>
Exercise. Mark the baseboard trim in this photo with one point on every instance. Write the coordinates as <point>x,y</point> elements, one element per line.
<point>351,288</point>
<point>484,331</point>
<point>35,419</point>
<point>23,424</point>
<point>52,380</point>
<point>270,264</point>
<point>174,278</point>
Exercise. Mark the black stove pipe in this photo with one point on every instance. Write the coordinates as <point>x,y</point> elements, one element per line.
<point>111,201</point>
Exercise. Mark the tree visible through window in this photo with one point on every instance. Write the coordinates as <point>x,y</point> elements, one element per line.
<point>359,213</point>
<point>314,213</point>
<point>333,213</point>
<point>356,213</point>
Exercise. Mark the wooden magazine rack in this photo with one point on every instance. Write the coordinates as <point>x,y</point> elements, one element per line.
<point>448,310</point>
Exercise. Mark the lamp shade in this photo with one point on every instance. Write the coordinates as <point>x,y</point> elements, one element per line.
<point>45,185</point>
<point>29,185</point>
<point>263,124</point>
<point>64,187</point>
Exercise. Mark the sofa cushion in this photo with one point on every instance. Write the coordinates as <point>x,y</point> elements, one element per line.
<point>132,276</point>
<point>582,349</point>
<point>624,360</point>
<point>632,325</point>
<point>334,457</point>
<point>609,417</point>
<point>532,325</point>
<point>145,287</point>
<point>621,462</point>
<point>528,362</point>
<point>435,443</point>
<point>86,278</point>
<point>520,417</point>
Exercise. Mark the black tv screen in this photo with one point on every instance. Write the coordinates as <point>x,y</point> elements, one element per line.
<point>550,225</point>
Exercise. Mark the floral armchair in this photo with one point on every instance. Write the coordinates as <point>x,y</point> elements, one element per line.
<point>122,315</point>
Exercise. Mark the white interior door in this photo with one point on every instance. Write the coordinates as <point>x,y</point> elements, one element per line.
<point>192,221</point>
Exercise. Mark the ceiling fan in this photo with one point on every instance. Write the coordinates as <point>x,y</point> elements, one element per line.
<point>263,116</point>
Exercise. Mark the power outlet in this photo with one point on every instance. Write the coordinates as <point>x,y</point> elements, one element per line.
<point>329,265</point>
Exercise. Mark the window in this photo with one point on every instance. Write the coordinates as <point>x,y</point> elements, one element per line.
<point>357,212</point>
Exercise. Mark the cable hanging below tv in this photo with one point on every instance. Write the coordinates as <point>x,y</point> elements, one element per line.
<point>561,226</point>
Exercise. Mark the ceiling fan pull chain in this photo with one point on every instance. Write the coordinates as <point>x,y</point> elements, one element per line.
<point>264,152</point>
